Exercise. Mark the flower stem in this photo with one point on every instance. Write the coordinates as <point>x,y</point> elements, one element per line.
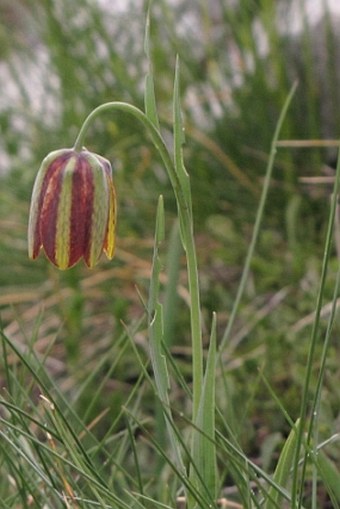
<point>155,136</point>
<point>187,230</point>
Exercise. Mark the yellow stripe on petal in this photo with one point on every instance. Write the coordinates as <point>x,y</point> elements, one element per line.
<point>110,240</point>
<point>100,212</point>
<point>63,230</point>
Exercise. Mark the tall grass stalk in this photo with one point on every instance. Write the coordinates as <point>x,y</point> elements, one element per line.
<point>258,221</point>
<point>296,497</point>
<point>313,428</point>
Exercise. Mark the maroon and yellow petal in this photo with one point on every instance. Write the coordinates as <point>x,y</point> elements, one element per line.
<point>55,213</point>
<point>100,212</point>
<point>81,210</point>
<point>50,166</point>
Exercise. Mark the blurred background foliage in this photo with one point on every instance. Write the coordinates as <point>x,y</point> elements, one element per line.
<point>60,59</point>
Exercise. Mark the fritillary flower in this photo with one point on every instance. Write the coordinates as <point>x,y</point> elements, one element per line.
<point>73,209</point>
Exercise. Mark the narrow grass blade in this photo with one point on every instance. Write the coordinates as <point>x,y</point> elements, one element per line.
<point>149,93</point>
<point>231,429</point>
<point>258,220</point>
<point>187,236</point>
<point>180,474</point>
<point>179,139</point>
<point>331,477</point>
<point>56,458</point>
<point>313,344</point>
<point>204,449</point>
<point>40,376</point>
<point>135,457</point>
<point>242,468</point>
<point>283,469</point>
<point>156,264</point>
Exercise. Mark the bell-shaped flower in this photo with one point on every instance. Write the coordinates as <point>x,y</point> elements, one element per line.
<point>73,209</point>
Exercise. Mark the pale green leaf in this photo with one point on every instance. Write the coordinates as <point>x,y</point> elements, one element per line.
<point>283,468</point>
<point>179,138</point>
<point>204,449</point>
<point>330,476</point>
<point>156,337</point>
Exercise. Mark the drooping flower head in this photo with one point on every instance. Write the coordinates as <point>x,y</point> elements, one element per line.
<point>73,209</point>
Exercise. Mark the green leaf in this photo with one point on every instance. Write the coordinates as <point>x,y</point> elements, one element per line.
<point>149,93</point>
<point>156,266</point>
<point>283,468</point>
<point>331,477</point>
<point>155,310</point>
<point>204,449</point>
<point>156,337</point>
<point>171,300</point>
<point>178,123</point>
<point>179,139</point>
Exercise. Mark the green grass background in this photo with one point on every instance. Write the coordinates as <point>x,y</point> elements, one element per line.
<point>97,437</point>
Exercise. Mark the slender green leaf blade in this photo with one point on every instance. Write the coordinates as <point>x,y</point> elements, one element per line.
<point>156,266</point>
<point>156,335</point>
<point>330,475</point>
<point>149,93</point>
<point>283,468</point>
<point>204,449</point>
<point>171,294</point>
<point>179,139</point>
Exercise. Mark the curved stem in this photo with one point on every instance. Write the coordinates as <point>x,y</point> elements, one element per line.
<point>155,136</point>
<point>184,210</point>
